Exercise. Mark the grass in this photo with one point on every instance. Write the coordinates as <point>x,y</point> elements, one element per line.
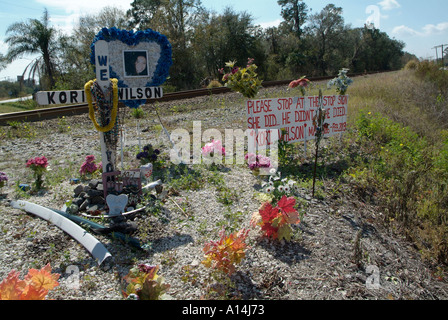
<point>17,106</point>
<point>399,133</point>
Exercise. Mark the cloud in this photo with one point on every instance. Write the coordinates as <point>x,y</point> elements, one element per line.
<point>84,6</point>
<point>75,9</point>
<point>389,4</point>
<point>431,29</point>
<point>269,24</point>
<point>428,30</point>
<point>404,31</point>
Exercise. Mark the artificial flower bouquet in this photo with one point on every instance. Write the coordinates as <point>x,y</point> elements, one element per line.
<point>89,167</point>
<point>277,215</point>
<point>242,80</point>
<point>39,166</point>
<point>302,83</point>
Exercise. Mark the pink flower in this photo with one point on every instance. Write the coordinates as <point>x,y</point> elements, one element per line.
<point>37,162</point>
<point>89,165</point>
<point>213,146</point>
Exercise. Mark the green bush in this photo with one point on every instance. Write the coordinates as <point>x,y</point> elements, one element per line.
<point>430,71</point>
<point>410,174</point>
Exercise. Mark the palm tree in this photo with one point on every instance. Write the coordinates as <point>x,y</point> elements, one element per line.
<point>3,62</point>
<point>34,37</point>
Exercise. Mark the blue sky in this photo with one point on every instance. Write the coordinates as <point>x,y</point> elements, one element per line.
<point>421,25</point>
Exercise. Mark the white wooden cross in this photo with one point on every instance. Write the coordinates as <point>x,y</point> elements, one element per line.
<point>103,78</point>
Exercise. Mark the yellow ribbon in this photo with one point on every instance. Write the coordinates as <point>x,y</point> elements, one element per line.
<point>88,91</point>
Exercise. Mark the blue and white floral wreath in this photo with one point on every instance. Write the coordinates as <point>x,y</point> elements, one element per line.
<point>151,49</point>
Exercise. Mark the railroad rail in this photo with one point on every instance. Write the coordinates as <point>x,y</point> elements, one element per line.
<point>76,109</point>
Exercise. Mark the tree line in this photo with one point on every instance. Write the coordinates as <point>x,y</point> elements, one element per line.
<point>203,41</point>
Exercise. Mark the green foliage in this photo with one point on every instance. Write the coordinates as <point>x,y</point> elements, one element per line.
<point>10,90</point>
<point>145,284</point>
<point>203,41</point>
<point>294,13</point>
<point>409,174</point>
<point>35,36</point>
<point>285,149</point>
<point>181,177</point>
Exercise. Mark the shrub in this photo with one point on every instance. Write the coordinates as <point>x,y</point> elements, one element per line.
<point>214,84</point>
<point>411,65</point>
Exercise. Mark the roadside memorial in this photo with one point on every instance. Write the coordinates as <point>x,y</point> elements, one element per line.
<point>130,67</point>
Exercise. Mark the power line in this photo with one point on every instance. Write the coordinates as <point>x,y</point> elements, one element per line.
<point>19,5</point>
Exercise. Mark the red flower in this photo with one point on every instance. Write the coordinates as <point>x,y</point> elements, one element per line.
<point>303,82</point>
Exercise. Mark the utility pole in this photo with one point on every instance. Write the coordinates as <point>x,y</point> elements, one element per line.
<point>437,56</point>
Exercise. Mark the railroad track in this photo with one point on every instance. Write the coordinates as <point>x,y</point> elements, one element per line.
<point>76,109</point>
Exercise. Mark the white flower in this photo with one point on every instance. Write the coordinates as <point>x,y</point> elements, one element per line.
<point>269,189</point>
<point>286,188</point>
<point>281,188</point>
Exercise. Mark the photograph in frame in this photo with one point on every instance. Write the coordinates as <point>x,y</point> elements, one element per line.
<point>136,63</point>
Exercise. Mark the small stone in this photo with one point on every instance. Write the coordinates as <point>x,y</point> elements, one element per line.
<point>93,183</point>
<point>84,205</point>
<point>195,263</point>
<point>97,200</point>
<point>72,209</point>
<point>92,193</point>
<point>78,201</point>
<point>92,208</point>
<point>78,190</point>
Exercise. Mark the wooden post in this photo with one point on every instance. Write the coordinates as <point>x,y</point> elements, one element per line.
<point>320,124</point>
<point>315,167</point>
<point>108,157</point>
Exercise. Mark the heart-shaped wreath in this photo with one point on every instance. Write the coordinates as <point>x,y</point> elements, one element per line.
<point>123,44</point>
